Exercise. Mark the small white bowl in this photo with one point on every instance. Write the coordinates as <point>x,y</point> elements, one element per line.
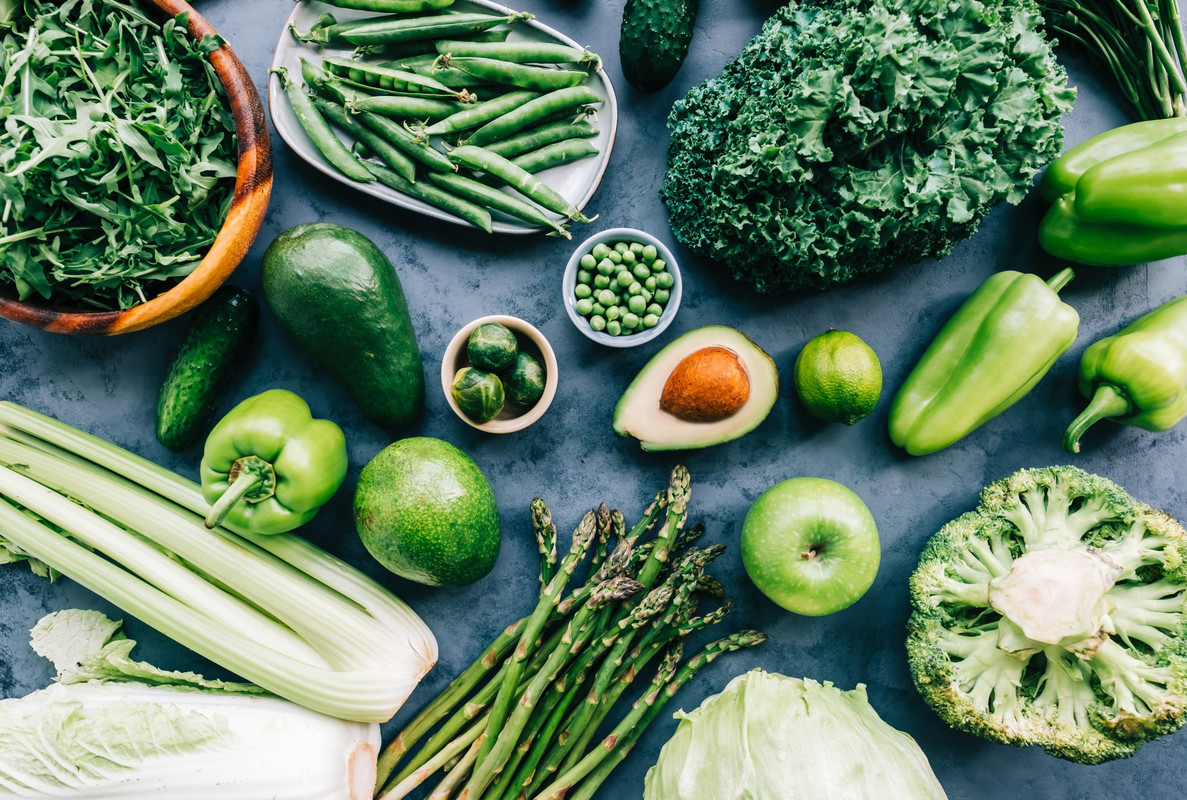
<point>531,341</point>
<point>569,282</point>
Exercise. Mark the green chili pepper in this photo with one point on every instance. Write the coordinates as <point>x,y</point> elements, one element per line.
<point>996,347</point>
<point>1119,198</point>
<point>1137,376</point>
<point>269,466</point>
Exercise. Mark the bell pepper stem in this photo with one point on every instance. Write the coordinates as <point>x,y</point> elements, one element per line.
<point>1060,279</point>
<point>236,492</point>
<point>1106,403</point>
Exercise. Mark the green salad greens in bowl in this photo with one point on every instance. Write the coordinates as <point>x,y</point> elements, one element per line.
<point>135,164</point>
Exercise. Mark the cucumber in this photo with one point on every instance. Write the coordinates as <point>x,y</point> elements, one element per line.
<point>337,294</point>
<point>654,40</point>
<point>215,345</point>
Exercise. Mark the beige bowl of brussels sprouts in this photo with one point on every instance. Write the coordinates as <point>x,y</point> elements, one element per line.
<point>499,374</point>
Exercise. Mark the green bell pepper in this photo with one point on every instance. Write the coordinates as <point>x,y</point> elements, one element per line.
<point>988,356</point>
<point>1119,198</point>
<point>1137,376</point>
<point>268,465</point>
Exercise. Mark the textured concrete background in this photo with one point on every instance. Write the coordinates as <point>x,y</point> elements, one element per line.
<point>571,457</point>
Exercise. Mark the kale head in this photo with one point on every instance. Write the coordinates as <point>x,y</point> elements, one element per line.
<point>848,137</point>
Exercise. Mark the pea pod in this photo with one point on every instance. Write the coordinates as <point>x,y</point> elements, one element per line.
<point>1137,376</point>
<point>418,47</point>
<point>525,76</point>
<point>490,197</point>
<point>480,113</point>
<point>533,112</point>
<point>434,195</point>
<point>399,6</point>
<point>393,31</point>
<point>993,350</point>
<point>520,52</point>
<point>318,130</point>
<point>523,182</point>
<point>405,107</point>
<point>541,136</point>
<point>387,152</point>
<point>555,155</point>
<point>407,141</point>
<point>374,76</point>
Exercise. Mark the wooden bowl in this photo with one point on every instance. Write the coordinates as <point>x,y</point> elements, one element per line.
<point>253,188</point>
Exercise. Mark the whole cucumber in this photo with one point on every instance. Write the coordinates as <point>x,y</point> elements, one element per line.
<point>654,40</point>
<point>216,343</point>
<point>338,295</point>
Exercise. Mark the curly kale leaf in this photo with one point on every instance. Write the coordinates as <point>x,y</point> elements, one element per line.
<point>849,137</point>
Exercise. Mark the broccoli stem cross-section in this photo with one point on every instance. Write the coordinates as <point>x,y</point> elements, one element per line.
<point>1054,615</point>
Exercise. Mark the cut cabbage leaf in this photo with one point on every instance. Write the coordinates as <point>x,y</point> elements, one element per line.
<point>770,737</point>
<point>144,732</point>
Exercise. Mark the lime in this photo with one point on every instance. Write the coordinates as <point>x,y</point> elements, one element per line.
<point>838,377</point>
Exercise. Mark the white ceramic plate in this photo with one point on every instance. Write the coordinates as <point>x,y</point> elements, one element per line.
<point>577,181</point>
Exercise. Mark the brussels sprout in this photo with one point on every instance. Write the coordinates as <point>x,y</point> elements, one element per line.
<point>478,394</point>
<point>492,347</point>
<point>524,381</point>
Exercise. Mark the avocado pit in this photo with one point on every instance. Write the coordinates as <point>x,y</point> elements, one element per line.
<point>708,385</point>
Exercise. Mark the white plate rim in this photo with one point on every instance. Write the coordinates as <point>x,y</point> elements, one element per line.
<point>300,144</point>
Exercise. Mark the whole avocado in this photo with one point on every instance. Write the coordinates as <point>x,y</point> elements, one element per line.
<point>425,511</point>
<point>337,294</point>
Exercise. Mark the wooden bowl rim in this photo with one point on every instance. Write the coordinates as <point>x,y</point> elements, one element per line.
<point>253,188</point>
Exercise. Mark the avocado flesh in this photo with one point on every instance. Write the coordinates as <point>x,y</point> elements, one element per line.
<point>638,411</point>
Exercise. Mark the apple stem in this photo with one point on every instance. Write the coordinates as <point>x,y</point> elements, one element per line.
<point>808,555</point>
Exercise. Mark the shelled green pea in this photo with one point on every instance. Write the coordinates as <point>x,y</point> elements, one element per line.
<point>622,287</point>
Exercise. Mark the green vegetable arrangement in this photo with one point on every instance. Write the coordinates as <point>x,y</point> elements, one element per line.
<point>521,720</point>
<point>848,137</point>
<point>117,156</point>
<point>1053,615</point>
<point>771,737</point>
<point>274,609</point>
<point>110,726</point>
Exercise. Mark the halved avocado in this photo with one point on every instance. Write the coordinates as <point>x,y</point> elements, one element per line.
<point>709,386</point>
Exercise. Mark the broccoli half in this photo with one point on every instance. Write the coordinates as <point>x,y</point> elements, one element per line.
<point>1053,615</point>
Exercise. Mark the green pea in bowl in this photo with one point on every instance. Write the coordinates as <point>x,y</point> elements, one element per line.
<point>615,283</point>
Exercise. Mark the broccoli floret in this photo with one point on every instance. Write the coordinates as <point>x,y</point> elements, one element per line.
<point>1054,615</point>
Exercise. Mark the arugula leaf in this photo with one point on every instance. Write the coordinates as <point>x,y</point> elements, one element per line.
<point>117,152</point>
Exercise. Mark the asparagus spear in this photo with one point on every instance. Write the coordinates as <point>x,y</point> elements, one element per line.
<point>644,711</point>
<point>508,733</point>
<point>545,539</point>
<point>549,596</point>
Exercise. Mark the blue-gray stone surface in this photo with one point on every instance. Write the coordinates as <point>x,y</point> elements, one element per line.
<point>572,458</point>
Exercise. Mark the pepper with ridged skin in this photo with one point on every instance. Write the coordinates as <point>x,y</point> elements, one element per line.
<point>268,465</point>
<point>1137,376</point>
<point>1119,198</point>
<point>997,346</point>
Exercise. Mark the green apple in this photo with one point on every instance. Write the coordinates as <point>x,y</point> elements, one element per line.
<point>811,545</point>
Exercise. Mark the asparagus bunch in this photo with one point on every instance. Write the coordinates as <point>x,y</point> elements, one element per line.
<point>520,722</point>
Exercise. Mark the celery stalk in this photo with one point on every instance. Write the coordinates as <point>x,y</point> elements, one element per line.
<point>276,610</point>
